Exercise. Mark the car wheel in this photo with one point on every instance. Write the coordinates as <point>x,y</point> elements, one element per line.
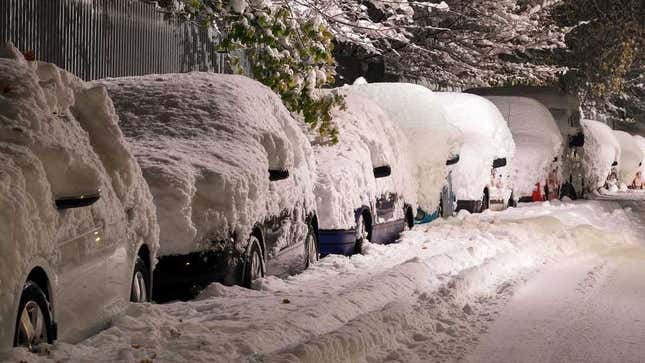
<point>139,291</point>
<point>34,321</point>
<point>254,267</point>
<point>361,234</point>
<point>311,248</point>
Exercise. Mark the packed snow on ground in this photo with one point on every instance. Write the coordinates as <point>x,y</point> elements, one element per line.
<point>601,150</point>
<point>432,139</point>
<point>631,157</point>
<point>486,136</point>
<point>205,143</point>
<point>537,137</point>
<point>426,298</point>
<point>345,180</point>
<point>59,137</point>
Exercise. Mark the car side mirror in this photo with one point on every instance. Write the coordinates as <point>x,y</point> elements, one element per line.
<point>498,163</point>
<point>452,161</point>
<point>382,171</point>
<point>275,175</point>
<point>78,201</point>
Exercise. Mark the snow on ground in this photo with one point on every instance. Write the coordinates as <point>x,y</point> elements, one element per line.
<point>427,298</point>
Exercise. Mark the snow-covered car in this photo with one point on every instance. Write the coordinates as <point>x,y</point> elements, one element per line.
<point>364,188</point>
<point>535,168</point>
<point>78,229</point>
<point>481,179</point>
<point>229,169</point>
<point>564,108</point>
<point>601,156</point>
<point>631,159</point>
<point>434,142</point>
<point>639,180</point>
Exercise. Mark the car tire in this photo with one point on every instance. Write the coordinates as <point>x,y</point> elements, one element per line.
<point>140,287</point>
<point>254,265</point>
<point>312,254</point>
<point>34,320</point>
<point>362,233</point>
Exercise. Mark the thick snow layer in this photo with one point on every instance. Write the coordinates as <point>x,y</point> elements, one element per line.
<point>537,137</point>
<point>601,150</point>
<point>367,139</point>
<point>205,143</point>
<point>640,141</point>
<point>631,157</point>
<point>432,139</point>
<point>59,137</point>
<point>423,299</point>
<point>486,136</point>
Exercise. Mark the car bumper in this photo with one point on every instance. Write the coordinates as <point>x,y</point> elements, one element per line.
<point>336,241</point>
<point>387,232</point>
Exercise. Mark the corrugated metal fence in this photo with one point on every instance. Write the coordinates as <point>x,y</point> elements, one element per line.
<point>107,38</point>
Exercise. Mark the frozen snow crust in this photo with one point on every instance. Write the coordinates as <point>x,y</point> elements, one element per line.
<point>432,139</point>
<point>205,143</point>
<point>59,137</point>
<point>423,299</point>
<point>486,136</point>
<point>631,155</point>
<point>601,149</point>
<point>537,140</point>
<point>367,139</point>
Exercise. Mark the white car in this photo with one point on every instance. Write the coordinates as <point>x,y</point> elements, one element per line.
<point>536,166</point>
<point>481,180</point>
<point>601,156</point>
<point>78,230</point>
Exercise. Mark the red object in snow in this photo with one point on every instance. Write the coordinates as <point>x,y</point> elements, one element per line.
<point>537,193</point>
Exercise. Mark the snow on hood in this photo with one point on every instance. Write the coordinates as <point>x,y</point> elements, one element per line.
<point>345,182</point>
<point>537,140</point>
<point>59,137</point>
<point>601,150</point>
<point>205,143</point>
<point>486,136</point>
<point>631,157</point>
<point>432,139</point>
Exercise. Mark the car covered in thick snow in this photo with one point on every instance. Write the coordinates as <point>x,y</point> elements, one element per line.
<point>78,229</point>
<point>601,156</point>
<point>481,179</point>
<point>229,169</point>
<point>639,180</point>
<point>535,168</point>
<point>364,188</point>
<point>434,143</point>
<point>631,158</point>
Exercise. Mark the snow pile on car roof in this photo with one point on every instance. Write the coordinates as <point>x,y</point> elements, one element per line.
<point>59,137</point>
<point>205,143</point>
<point>432,139</point>
<point>537,137</point>
<point>367,139</point>
<point>631,157</point>
<point>486,136</point>
<point>601,150</point>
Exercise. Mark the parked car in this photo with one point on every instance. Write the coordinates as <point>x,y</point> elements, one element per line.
<point>631,158</point>
<point>601,156</point>
<point>229,169</point>
<point>481,179</point>
<point>639,179</point>
<point>564,108</point>
<point>535,168</point>
<point>78,230</point>
<point>364,189</point>
<point>434,143</point>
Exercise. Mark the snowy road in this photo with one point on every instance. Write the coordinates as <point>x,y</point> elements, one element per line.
<point>542,282</point>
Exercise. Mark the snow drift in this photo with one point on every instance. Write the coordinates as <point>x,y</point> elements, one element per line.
<point>432,139</point>
<point>59,137</point>
<point>537,137</point>
<point>601,150</point>
<point>631,157</point>
<point>205,143</point>
<point>486,136</point>
<point>367,139</point>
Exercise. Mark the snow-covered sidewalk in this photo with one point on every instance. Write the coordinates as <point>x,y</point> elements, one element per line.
<point>426,298</point>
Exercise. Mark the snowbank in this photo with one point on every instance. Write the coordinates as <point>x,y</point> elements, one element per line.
<point>59,137</point>
<point>631,157</point>
<point>486,136</point>
<point>601,150</point>
<point>432,139</point>
<point>205,143</point>
<point>367,139</point>
<point>537,140</point>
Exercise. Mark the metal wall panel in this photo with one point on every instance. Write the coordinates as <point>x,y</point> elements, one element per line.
<point>107,38</point>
